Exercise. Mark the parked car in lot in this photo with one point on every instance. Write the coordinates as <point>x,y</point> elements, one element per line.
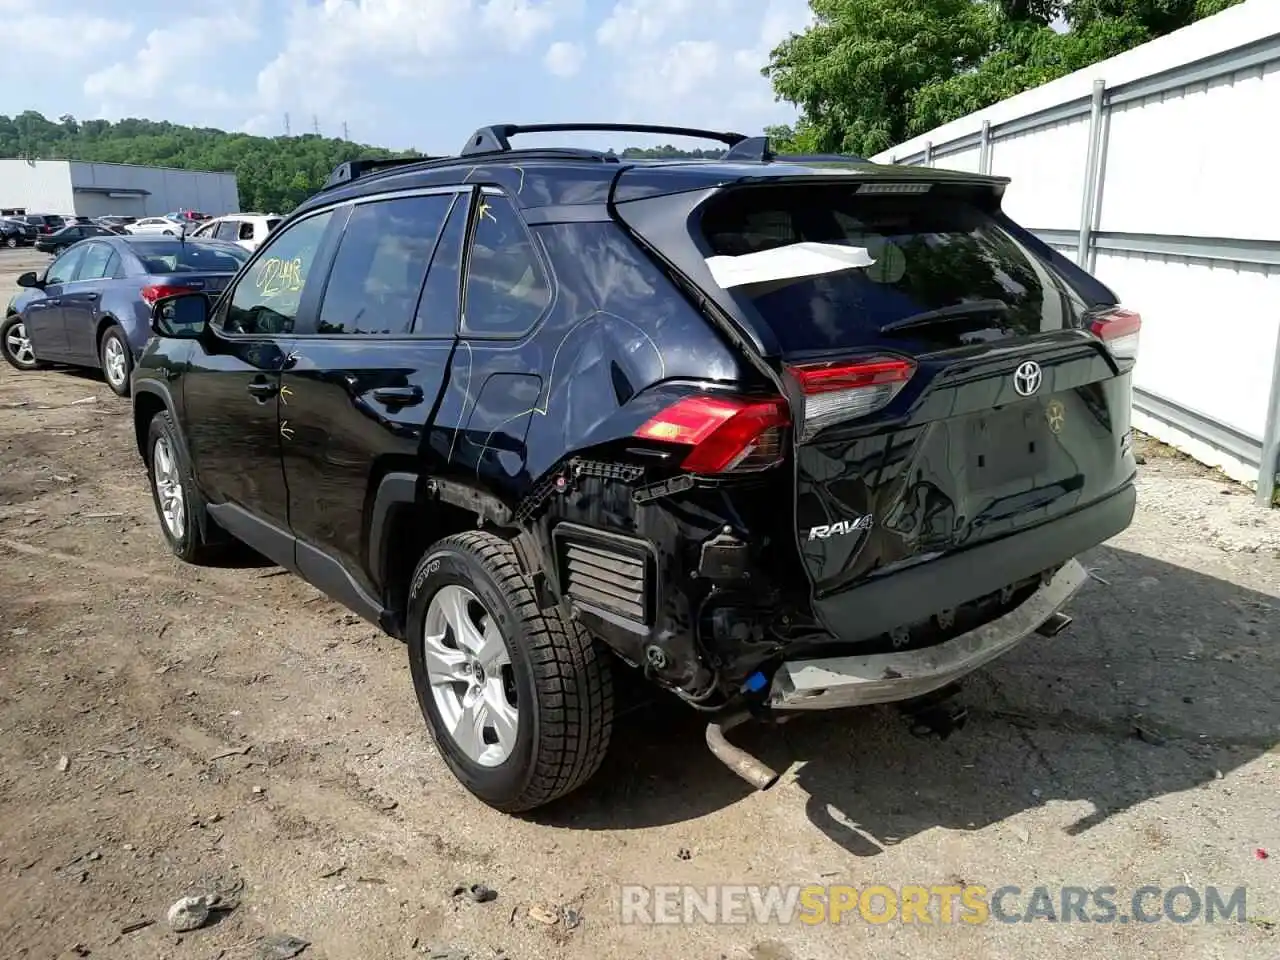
<point>155,225</point>
<point>780,433</point>
<point>246,229</point>
<point>59,240</point>
<point>91,306</point>
<point>17,233</point>
<point>44,223</point>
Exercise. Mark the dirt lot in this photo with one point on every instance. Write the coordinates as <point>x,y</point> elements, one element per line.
<point>165,729</point>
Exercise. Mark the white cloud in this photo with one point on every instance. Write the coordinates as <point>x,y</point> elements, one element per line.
<point>689,61</point>
<point>333,46</point>
<point>564,59</point>
<point>517,22</point>
<point>33,34</point>
<point>172,64</point>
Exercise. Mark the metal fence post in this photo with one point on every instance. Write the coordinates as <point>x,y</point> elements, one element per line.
<point>1268,465</point>
<point>1089,199</point>
<point>928,154</point>
<point>984,151</point>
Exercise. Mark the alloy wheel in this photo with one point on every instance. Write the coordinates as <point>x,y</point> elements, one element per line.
<point>18,344</point>
<point>173,504</point>
<point>469,669</point>
<point>114,364</point>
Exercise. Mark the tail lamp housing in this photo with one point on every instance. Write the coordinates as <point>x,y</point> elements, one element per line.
<point>839,390</point>
<point>723,433</point>
<point>1118,328</point>
<point>158,291</point>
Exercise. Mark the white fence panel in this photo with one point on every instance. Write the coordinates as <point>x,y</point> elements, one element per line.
<point>1154,170</point>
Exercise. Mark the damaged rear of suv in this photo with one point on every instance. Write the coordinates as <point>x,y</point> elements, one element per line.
<point>782,434</point>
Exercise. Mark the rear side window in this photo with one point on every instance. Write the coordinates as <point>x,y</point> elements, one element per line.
<point>160,256</point>
<point>507,289</point>
<point>381,263</point>
<point>923,252</point>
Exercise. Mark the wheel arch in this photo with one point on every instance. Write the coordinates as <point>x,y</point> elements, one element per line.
<point>409,511</point>
<point>149,399</point>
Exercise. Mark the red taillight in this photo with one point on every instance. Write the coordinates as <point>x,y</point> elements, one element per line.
<point>158,291</point>
<point>844,390</point>
<point>725,434</point>
<point>1118,327</point>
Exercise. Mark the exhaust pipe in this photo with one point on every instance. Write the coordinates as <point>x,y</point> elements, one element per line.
<point>756,773</point>
<point>1054,625</point>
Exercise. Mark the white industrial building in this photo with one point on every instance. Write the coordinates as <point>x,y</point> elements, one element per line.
<point>81,188</point>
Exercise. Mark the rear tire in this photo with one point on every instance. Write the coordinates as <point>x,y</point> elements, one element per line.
<point>554,677</point>
<point>179,506</point>
<point>116,359</point>
<point>11,242</point>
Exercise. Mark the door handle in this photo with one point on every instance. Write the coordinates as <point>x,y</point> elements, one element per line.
<point>52,301</point>
<point>90,296</point>
<point>264,389</point>
<point>398,396</point>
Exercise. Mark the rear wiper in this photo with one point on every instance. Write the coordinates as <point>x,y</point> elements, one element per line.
<point>958,311</point>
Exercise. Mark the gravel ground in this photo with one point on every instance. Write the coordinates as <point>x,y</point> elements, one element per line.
<point>169,730</point>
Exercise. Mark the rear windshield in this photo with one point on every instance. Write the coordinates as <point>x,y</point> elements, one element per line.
<point>906,254</point>
<point>161,256</point>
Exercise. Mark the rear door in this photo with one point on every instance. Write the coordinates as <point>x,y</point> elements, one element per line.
<point>356,401</point>
<point>945,388</point>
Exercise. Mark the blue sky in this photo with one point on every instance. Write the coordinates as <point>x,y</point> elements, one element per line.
<point>399,73</point>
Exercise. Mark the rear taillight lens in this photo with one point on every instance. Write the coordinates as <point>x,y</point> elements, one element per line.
<point>1118,328</point>
<point>845,390</point>
<point>158,291</point>
<point>725,434</point>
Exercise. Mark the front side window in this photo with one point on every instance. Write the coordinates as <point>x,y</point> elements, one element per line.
<point>507,289</point>
<point>380,265</point>
<point>266,299</point>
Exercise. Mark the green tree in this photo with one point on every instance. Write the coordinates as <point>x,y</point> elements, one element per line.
<point>871,73</point>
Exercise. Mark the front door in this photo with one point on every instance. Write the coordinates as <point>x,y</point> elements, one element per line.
<point>231,392</point>
<point>367,375</point>
<point>43,317</point>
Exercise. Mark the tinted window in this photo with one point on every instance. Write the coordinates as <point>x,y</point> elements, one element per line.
<point>506,288</point>
<point>191,256</point>
<point>246,231</point>
<point>227,230</point>
<point>266,299</point>
<point>928,252</point>
<point>273,223</point>
<point>438,308</point>
<point>96,262</point>
<point>63,270</point>
<point>380,265</point>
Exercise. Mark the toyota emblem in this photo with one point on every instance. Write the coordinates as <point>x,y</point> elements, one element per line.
<point>1026,379</point>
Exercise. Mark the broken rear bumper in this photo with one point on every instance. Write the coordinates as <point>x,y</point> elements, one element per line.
<point>832,682</point>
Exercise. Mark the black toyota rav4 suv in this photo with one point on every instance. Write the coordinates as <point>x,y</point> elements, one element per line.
<point>780,433</point>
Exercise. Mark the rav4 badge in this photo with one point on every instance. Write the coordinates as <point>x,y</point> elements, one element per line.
<point>840,528</point>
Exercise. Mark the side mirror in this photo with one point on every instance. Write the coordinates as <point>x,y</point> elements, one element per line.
<point>184,317</point>
<point>28,279</point>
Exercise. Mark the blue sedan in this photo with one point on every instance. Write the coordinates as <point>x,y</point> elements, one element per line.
<point>92,306</point>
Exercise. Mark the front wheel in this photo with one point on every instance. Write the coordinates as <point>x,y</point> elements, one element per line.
<point>178,503</point>
<point>168,233</point>
<point>15,344</point>
<point>116,360</point>
<point>11,242</point>
<point>519,699</point>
